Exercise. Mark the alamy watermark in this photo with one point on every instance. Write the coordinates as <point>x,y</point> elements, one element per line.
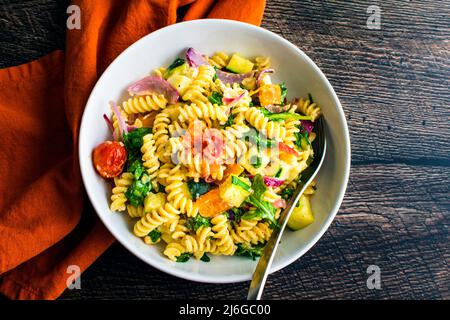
<point>374,279</point>
<point>73,280</point>
<point>374,19</point>
<point>74,19</point>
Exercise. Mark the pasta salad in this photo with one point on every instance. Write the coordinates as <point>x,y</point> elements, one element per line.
<point>205,153</point>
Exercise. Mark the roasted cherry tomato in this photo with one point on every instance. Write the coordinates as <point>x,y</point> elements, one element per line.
<point>285,148</point>
<point>109,158</point>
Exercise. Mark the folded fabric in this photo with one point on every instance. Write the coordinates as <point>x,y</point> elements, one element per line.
<point>46,223</point>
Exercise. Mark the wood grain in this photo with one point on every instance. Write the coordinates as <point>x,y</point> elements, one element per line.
<point>394,86</point>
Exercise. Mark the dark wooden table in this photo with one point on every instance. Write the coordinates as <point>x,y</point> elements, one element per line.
<point>394,86</point>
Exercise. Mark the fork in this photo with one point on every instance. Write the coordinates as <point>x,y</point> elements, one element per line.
<point>265,261</point>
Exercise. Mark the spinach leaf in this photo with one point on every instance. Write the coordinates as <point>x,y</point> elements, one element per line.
<point>196,189</point>
<point>230,121</point>
<point>133,139</point>
<point>236,214</point>
<point>154,235</point>
<point>287,193</point>
<point>264,209</point>
<point>301,139</point>
<point>251,252</point>
<point>215,98</point>
<point>137,192</point>
<point>205,258</point>
<point>283,115</point>
<point>136,168</point>
<point>184,257</point>
<point>215,74</point>
<point>133,142</point>
<point>283,93</point>
<point>178,62</point>
<point>197,222</point>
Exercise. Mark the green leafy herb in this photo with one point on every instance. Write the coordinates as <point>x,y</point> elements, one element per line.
<point>310,98</point>
<point>178,62</point>
<point>197,222</point>
<point>287,193</point>
<point>302,140</point>
<point>251,252</point>
<point>136,168</point>
<point>278,174</point>
<point>237,214</point>
<point>184,257</point>
<point>283,115</point>
<point>251,104</point>
<point>283,93</point>
<point>264,209</point>
<point>215,98</point>
<point>133,142</point>
<point>205,258</point>
<point>215,74</point>
<point>137,192</point>
<point>196,189</point>
<point>230,121</point>
<point>154,235</point>
<point>238,182</point>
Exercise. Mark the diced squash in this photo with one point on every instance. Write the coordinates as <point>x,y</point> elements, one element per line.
<point>154,201</point>
<point>234,191</point>
<point>233,168</point>
<point>179,82</point>
<point>211,204</point>
<point>302,215</point>
<point>238,64</point>
<point>270,94</point>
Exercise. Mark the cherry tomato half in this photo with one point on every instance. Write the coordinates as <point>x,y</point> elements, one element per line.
<point>109,159</point>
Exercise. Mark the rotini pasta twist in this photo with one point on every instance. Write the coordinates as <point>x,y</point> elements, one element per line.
<point>150,158</point>
<point>258,234</point>
<point>219,60</point>
<point>177,193</point>
<point>154,219</point>
<point>118,198</point>
<point>135,212</point>
<point>161,135</point>
<point>144,104</point>
<point>173,250</point>
<point>203,110</point>
<point>272,129</point>
<point>224,241</point>
<point>198,87</point>
<point>291,126</point>
<point>308,108</point>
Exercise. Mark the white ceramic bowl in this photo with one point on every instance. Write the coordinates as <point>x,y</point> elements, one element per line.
<point>292,66</point>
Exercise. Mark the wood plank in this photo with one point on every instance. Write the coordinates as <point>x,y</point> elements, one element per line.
<point>393,83</point>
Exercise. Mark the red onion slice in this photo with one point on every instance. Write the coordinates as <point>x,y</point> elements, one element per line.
<point>307,125</point>
<point>230,78</point>
<point>122,125</point>
<point>232,101</point>
<point>272,182</point>
<point>110,125</point>
<point>154,85</point>
<point>261,73</point>
<point>194,58</point>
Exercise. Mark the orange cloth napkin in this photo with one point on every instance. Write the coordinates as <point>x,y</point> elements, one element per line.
<point>44,224</point>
